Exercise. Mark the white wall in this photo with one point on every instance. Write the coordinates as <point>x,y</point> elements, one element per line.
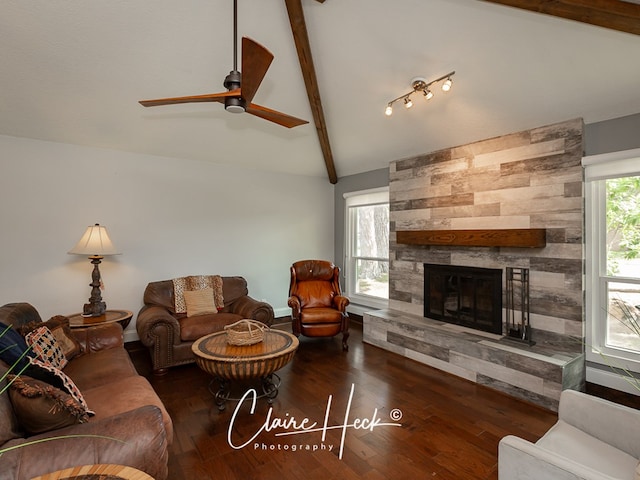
<point>168,217</point>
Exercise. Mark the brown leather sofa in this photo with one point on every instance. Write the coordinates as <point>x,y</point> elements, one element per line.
<point>127,410</point>
<point>169,335</point>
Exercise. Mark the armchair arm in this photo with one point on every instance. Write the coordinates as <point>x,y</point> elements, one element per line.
<point>519,459</point>
<point>100,337</point>
<point>341,302</point>
<point>614,424</point>
<point>294,303</point>
<point>136,438</point>
<point>249,307</point>
<point>157,326</point>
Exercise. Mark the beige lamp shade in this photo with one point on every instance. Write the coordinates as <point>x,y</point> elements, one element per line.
<point>95,242</point>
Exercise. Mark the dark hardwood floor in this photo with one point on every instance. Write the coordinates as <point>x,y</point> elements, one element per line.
<point>449,427</point>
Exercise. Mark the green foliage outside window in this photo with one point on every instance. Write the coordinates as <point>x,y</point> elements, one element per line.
<point>623,221</point>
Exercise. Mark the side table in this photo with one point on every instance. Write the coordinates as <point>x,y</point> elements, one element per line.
<point>123,317</point>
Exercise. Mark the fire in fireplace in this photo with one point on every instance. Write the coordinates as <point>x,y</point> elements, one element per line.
<point>468,296</point>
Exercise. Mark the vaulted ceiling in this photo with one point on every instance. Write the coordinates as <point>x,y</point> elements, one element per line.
<point>74,71</point>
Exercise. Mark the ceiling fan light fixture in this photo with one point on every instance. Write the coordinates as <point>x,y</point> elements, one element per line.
<point>235,105</point>
<point>420,84</point>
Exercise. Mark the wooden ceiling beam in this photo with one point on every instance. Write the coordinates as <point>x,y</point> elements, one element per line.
<point>301,39</point>
<point>613,14</point>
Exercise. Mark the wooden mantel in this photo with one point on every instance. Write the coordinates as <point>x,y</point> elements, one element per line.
<point>515,237</point>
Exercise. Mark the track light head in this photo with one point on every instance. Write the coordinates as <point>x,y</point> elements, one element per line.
<point>428,94</point>
<point>446,86</point>
<point>389,110</point>
<point>407,102</point>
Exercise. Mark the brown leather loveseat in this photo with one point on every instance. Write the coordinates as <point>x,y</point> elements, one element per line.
<point>130,427</point>
<point>169,333</point>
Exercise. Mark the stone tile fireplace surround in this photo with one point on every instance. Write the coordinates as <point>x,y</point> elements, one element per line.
<point>526,180</point>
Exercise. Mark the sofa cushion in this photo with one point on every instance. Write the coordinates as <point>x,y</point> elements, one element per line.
<point>200,302</point>
<point>59,326</point>
<point>193,328</point>
<point>46,347</point>
<point>41,407</point>
<point>124,395</point>
<point>570,442</point>
<point>100,368</point>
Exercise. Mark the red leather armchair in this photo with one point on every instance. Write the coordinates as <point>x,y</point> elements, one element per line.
<point>318,308</point>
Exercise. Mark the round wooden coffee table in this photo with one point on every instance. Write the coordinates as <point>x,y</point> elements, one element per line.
<point>96,472</point>
<point>244,362</point>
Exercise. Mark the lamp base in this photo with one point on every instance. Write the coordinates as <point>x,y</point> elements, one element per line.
<point>94,309</point>
<point>96,306</point>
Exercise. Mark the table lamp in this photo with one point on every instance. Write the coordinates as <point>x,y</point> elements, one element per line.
<point>96,244</point>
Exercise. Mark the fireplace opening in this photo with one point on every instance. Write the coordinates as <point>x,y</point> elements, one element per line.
<point>468,296</point>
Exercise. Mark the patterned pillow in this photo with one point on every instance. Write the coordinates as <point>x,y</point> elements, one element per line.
<point>200,302</point>
<point>59,326</point>
<point>67,383</point>
<point>197,282</point>
<point>41,407</point>
<point>46,347</point>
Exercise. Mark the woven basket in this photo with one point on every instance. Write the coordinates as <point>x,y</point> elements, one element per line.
<point>245,332</point>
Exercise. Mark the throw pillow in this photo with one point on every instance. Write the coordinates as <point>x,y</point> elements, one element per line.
<point>67,383</point>
<point>13,348</point>
<point>59,326</point>
<point>41,407</point>
<point>197,282</point>
<point>200,302</point>
<point>46,347</point>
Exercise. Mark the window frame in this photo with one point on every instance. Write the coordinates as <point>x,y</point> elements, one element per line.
<point>599,168</point>
<point>361,198</point>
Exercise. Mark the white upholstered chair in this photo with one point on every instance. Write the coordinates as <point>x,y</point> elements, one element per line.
<point>592,439</point>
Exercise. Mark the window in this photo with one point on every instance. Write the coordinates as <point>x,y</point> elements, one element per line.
<point>613,259</point>
<point>367,247</point>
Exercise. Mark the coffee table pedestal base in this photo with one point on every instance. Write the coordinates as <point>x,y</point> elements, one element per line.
<point>269,384</point>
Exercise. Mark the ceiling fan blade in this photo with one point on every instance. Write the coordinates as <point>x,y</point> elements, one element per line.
<point>274,116</point>
<point>255,62</point>
<point>209,97</point>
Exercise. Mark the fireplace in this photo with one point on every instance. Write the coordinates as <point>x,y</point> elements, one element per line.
<point>468,296</point>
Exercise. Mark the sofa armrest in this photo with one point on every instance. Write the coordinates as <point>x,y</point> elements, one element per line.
<point>249,307</point>
<point>156,325</point>
<point>519,459</point>
<point>610,422</point>
<point>136,438</point>
<point>99,337</point>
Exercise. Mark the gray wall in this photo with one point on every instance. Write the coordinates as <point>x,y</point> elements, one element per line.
<point>612,135</point>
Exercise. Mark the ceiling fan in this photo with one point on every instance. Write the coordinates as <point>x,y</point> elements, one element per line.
<point>241,86</point>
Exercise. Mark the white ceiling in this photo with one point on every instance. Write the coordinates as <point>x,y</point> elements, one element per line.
<point>72,71</point>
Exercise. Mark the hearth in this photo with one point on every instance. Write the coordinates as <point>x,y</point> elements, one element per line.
<point>468,296</point>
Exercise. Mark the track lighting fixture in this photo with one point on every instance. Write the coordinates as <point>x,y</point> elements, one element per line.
<point>420,84</point>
